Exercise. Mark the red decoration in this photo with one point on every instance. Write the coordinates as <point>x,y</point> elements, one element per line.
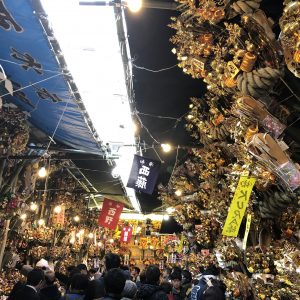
<point>126,234</point>
<point>110,214</point>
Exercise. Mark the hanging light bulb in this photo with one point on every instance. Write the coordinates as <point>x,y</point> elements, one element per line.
<point>41,222</point>
<point>78,234</point>
<point>72,240</point>
<point>178,193</point>
<point>111,241</point>
<point>57,209</point>
<point>76,218</point>
<point>81,231</point>
<point>42,172</point>
<point>90,235</point>
<point>166,217</point>
<point>33,206</point>
<point>23,217</point>
<point>134,5</point>
<point>166,147</point>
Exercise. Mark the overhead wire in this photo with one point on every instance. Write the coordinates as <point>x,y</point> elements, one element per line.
<point>154,71</point>
<point>46,70</point>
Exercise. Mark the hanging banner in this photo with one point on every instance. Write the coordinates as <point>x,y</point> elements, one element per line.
<point>126,234</point>
<point>248,224</point>
<point>238,206</point>
<point>110,214</point>
<point>143,175</point>
<point>42,85</point>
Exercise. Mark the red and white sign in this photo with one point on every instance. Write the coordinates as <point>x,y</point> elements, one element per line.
<point>126,234</point>
<point>110,214</point>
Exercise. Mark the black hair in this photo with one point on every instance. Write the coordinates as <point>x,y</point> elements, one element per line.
<point>124,268</point>
<point>112,260</point>
<point>168,269</point>
<point>166,287</point>
<point>211,270</point>
<point>93,271</point>
<point>70,268</point>
<point>82,267</point>
<point>143,276</point>
<point>114,281</point>
<point>74,272</point>
<point>137,269</point>
<point>79,282</point>
<point>176,269</point>
<point>176,275</point>
<point>186,276</point>
<point>152,274</point>
<point>35,276</point>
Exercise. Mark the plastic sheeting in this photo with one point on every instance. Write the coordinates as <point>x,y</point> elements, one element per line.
<point>42,85</point>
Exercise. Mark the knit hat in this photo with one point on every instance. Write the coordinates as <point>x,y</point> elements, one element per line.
<point>42,264</point>
<point>130,289</point>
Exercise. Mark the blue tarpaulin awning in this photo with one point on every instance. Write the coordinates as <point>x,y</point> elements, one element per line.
<point>43,87</point>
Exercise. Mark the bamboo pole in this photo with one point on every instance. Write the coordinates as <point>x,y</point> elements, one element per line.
<point>4,239</point>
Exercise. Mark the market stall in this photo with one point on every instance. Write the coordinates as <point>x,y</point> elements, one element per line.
<point>238,195</point>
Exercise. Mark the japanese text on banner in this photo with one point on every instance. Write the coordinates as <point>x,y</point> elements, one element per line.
<point>238,206</point>
<point>110,214</point>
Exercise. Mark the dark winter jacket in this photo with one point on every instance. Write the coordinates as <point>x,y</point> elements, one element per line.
<point>111,297</point>
<point>177,295</point>
<point>73,297</point>
<point>151,292</point>
<point>50,292</point>
<point>186,290</point>
<point>203,291</point>
<point>95,289</point>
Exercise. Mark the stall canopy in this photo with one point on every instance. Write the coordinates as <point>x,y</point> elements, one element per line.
<point>43,87</point>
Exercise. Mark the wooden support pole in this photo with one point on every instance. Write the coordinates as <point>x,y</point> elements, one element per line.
<point>4,240</point>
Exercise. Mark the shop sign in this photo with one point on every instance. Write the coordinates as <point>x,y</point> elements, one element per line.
<point>143,175</point>
<point>126,234</point>
<point>238,206</point>
<point>110,214</point>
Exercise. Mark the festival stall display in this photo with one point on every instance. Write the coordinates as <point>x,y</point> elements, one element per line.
<point>245,179</point>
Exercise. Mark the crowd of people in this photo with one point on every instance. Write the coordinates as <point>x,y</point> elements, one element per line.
<point>117,282</point>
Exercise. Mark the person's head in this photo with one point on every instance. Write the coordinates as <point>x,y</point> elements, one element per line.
<point>143,276</point>
<point>70,269</point>
<point>135,271</point>
<point>211,270</point>
<point>83,269</point>
<point>35,278</point>
<point>166,272</point>
<point>112,261</point>
<point>114,281</point>
<point>42,264</point>
<point>176,280</point>
<point>49,277</point>
<point>152,274</point>
<point>176,269</point>
<point>129,290</point>
<point>79,283</point>
<point>166,287</point>
<point>186,277</point>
